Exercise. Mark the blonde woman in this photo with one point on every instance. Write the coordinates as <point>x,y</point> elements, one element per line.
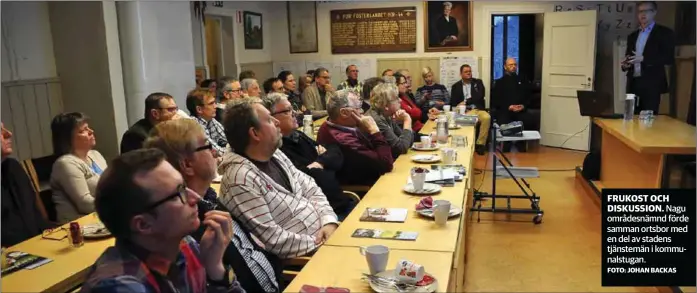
<point>431,94</point>
<point>393,122</point>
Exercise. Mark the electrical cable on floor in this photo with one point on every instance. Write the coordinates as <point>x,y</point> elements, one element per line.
<point>567,139</point>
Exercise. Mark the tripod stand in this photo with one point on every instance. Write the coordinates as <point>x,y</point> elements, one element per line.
<point>504,169</point>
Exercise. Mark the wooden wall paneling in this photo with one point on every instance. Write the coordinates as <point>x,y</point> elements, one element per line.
<point>44,116</point>
<point>19,123</point>
<point>29,106</point>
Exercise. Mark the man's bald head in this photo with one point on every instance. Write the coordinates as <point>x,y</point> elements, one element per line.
<point>511,66</point>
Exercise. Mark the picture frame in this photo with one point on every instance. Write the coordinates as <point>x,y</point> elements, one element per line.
<point>302,27</point>
<point>438,31</point>
<point>253,30</point>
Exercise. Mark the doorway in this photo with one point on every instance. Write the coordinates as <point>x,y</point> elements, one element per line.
<point>219,46</point>
<point>519,36</point>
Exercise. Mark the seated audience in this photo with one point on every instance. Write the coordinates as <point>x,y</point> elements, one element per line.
<point>431,94</point>
<point>368,86</point>
<point>22,217</point>
<point>75,173</point>
<point>209,84</point>
<point>387,72</point>
<point>145,204</point>
<point>510,97</point>
<point>158,107</point>
<point>228,91</point>
<point>189,152</point>
<point>250,88</point>
<point>316,95</point>
<point>247,74</point>
<point>282,206</point>
<point>367,155</point>
<point>385,109</point>
<point>202,106</point>
<point>319,161</point>
<point>470,92</point>
<point>290,89</point>
<point>351,83</point>
<point>273,85</point>
<point>408,103</point>
<point>305,81</point>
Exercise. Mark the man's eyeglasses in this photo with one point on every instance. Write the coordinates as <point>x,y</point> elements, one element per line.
<point>235,91</point>
<point>181,192</point>
<point>55,234</point>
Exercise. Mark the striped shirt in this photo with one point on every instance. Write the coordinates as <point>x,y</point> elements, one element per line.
<point>215,133</point>
<point>285,221</point>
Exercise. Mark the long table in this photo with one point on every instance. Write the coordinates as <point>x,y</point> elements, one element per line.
<point>337,262</point>
<point>68,269</point>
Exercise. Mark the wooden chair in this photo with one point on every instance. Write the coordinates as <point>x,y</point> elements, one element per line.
<point>352,195</point>
<point>356,188</point>
<point>31,173</point>
<point>39,172</point>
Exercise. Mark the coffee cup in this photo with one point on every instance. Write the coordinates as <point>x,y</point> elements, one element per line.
<point>462,109</point>
<point>409,272</point>
<point>441,211</point>
<point>446,108</point>
<point>376,256</point>
<point>425,142</point>
<point>449,155</point>
<point>418,178</point>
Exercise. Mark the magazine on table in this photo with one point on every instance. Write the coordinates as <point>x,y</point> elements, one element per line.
<point>397,215</point>
<point>385,234</point>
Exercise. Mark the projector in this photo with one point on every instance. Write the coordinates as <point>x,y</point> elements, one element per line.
<point>514,128</point>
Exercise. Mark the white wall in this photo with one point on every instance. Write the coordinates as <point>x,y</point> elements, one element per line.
<point>157,53</point>
<point>266,9</point>
<point>88,62</point>
<point>27,48</point>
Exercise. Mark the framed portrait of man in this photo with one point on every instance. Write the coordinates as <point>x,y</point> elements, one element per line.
<point>448,26</point>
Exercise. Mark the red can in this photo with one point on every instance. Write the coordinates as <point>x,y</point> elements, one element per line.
<point>76,239</point>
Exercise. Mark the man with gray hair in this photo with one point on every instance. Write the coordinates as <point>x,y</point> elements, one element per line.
<point>315,96</point>
<point>250,88</point>
<point>321,162</point>
<point>229,89</point>
<point>282,206</point>
<point>367,155</point>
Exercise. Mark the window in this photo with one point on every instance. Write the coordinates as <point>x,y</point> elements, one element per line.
<point>505,38</point>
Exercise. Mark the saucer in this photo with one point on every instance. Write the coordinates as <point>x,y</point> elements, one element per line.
<point>429,188</point>
<point>390,274</point>
<point>429,212</point>
<point>432,158</point>
<point>419,147</point>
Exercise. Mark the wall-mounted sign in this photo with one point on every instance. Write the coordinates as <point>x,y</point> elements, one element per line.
<point>373,30</point>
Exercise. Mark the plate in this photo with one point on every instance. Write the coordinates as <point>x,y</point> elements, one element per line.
<point>419,147</point>
<point>391,274</point>
<point>453,127</point>
<point>454,211</point>
<point>432,158</point>
<point>429,188</point>
<point>92,231</point>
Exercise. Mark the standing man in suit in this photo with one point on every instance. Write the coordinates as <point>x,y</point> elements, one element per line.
<point>649,50</point>
<point>469,91</point>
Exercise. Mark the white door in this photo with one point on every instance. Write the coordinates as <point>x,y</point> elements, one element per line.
<point>568,65</point>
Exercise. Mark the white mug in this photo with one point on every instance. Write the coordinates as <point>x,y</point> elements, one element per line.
<point>409,272</point>
<point>449,155</point>
<point>377,256</point>
<point>418,179</point>
<point>441,211</point>
<point>462,109</point>
<point>446,108</point>
<point>425,142</point>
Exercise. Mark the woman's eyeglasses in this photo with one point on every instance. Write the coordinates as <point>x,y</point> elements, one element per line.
<point>207,146</point>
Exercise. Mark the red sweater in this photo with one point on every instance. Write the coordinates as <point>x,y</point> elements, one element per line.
<point>366,157</point>
<point>414,111</point>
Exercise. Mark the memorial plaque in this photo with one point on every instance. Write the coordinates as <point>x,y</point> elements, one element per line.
<point>373,30</point>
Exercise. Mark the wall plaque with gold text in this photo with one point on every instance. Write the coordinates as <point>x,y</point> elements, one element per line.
<point>374,30</point>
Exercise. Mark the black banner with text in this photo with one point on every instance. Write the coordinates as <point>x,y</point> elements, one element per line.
<point>648,237</point>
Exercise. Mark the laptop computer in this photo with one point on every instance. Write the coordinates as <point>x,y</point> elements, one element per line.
<point>594,104</point>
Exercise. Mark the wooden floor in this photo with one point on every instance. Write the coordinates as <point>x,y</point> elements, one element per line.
<point>560,255</point>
